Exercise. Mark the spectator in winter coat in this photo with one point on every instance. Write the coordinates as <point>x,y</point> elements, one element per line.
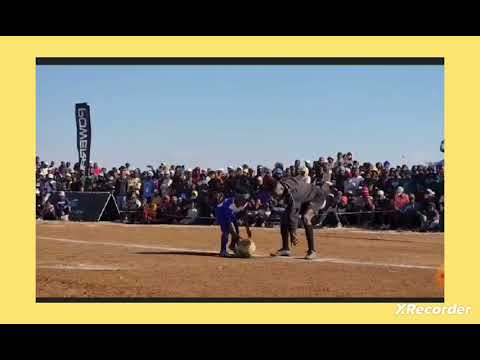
<point>400,201</point>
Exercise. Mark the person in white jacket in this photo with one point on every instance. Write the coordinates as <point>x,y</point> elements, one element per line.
<point>303,171</point>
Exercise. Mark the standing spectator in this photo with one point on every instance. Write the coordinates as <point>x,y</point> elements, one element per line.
<point>49,187</point>
<point>121,191</point>
<point>165,184</point>
<point>340,177</point>
<point>148,187</point>
<point>352,184</point>
<point>77,184</point>
<point>349,159</point>
<point>303,172</point>
<point>339,161</point>
<point>96,170</point>
<point>88,183</point>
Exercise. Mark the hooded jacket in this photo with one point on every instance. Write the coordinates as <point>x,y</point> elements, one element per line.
<point>297,193</point>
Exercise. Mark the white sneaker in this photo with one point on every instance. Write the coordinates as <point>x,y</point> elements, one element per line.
<point>282,252</point>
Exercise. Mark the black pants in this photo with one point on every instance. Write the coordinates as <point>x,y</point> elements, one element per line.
<point>308,213</point>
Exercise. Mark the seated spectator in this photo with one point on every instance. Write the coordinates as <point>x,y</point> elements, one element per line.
<point>192,214</point>
<point>62,207</point>
<point>347,205</point>
<point>150,212</point>
<point>400,201</point>
<point>134,208</point>
<point>330,214</point>
<point>48,211</point>
<point>382,206</point>
<point>430,218</point>
<point>364,205</point>
<point>412,213</point>
<point>173,211</point>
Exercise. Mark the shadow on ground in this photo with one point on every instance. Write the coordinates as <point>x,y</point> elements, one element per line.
<point>188,253</point>
<point>192,253</point>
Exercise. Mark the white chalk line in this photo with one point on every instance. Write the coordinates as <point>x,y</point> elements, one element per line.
<point>209,227</point>
<point>362,263</point>
<point>283,258</point>
<point>138,246</point>
<point>87,267</point>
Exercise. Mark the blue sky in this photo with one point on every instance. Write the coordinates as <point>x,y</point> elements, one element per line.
<point>219,116</point>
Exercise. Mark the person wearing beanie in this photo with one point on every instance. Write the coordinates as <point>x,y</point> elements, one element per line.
<point>364,203</point>
<point>400,201</point>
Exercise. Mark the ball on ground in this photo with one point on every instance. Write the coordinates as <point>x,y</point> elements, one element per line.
<point>245,248</point>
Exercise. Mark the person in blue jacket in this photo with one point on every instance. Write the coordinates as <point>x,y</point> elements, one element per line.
<point>227,214</point>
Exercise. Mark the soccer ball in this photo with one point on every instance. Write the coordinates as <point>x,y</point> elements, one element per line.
<point>245,248</point>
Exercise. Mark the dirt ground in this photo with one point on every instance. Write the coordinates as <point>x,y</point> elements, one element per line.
<point>115,260</point>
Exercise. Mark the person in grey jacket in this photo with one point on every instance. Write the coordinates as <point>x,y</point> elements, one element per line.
<point>303,200</point>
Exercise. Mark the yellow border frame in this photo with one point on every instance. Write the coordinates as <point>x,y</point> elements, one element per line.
<point>17,98</point>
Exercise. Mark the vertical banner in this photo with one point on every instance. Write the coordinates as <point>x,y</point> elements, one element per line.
<point>84,134</point>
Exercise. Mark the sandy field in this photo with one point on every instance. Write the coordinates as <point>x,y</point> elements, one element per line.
<point>161,262</point>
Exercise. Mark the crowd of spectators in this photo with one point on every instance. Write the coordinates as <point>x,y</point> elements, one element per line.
<point>377,196</point>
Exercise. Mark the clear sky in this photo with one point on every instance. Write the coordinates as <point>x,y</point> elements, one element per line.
<point>219,116</point>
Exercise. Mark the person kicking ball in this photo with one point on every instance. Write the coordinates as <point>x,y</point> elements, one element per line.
<point>302,199</point>
<point>227,212</point>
